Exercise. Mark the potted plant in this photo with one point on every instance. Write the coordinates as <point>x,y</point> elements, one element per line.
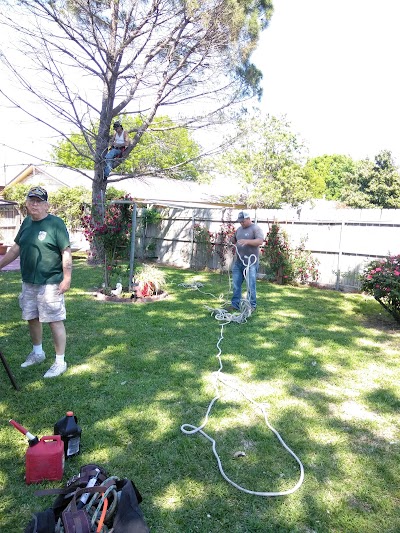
<point>150,280</point>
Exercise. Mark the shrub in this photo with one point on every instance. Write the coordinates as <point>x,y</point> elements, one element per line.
<point>151,216</point>
<point>223,243</point>
<point>304,267</point>
<point>276,255</point>
<point>114,232</point>
<point>285,264</point>
<point>203,237</point>
<point>381,279</point>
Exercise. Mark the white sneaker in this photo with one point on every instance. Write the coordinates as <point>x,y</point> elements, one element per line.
<point>33,359</point>
<point>55,370</point>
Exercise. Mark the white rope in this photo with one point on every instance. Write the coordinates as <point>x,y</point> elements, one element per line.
<point>225,317</point>
<point>245,308</point>
<point>195,286</point>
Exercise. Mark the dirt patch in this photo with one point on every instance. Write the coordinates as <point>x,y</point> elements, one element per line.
<point>382,322</point>
<point>130,299</point>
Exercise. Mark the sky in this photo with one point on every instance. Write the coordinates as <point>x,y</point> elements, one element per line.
<point>329,66</point>
<point>332,68</point>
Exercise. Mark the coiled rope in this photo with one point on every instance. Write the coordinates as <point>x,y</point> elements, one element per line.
<point>95,506</point>
<point>225,317</point>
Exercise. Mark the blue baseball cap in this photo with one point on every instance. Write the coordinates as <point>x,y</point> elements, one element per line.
<point>37,192</point>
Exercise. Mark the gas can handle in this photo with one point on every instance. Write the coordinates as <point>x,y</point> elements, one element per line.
<point>51,437</point>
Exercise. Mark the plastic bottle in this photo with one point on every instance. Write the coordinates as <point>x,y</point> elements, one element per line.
<point>70,433</point>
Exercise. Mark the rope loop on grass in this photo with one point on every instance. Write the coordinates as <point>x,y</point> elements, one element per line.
<point>225,317</point>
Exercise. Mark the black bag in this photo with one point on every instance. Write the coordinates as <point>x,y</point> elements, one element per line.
<point>91,500</point>
<point>43,522</point>
<point>129,517</point>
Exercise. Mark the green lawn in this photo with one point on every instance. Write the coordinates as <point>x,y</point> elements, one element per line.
<point>325,364</point>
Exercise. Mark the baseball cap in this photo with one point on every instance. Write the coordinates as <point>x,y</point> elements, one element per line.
<point>37,192</point>
<point>242,215</point>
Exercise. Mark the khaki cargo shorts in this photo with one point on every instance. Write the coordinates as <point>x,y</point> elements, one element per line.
<point>43,302</point>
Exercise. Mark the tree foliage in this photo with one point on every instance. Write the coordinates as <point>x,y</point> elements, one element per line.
<point>375,184</point>
<point>163,146</point>
<point>267,160</point>
<point>17,193</point>
<point>328,175</point>
<point>66,202</point>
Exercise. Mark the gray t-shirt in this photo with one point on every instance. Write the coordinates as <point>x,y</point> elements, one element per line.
<point>252,232</point>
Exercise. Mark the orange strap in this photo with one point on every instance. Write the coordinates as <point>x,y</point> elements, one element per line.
<point>102,517</point>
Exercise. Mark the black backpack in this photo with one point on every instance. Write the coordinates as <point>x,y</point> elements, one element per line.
<point>91,501</point>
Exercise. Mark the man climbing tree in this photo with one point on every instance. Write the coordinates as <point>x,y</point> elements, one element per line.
<point>118,144</point>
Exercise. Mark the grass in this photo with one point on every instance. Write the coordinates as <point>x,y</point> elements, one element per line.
<point>325,364</point>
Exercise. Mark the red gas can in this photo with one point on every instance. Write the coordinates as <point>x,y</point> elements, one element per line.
<point>45,460</point>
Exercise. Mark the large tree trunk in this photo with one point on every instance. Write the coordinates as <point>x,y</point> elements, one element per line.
<point>97,254</point>
<point>99,186</point>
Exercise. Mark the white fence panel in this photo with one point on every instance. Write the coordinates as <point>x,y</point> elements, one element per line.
<point>343,240</point>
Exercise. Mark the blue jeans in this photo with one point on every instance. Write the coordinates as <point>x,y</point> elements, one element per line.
<point>237,280</point>
<point>114,152</point>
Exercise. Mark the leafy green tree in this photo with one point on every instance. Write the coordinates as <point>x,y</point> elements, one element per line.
<point>17,193</point>
<point>67,203</point>
<point>328,175</point>
<point>164,146</point>
<point>375,184</point>
<point>267,159</point>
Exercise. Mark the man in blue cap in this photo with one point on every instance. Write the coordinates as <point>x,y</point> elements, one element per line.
<point>248,238</point>
<point>42,243</point>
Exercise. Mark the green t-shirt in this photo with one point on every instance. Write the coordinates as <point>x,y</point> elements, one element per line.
<point>41,245</point>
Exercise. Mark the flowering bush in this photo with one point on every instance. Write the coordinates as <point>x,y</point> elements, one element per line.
<point>113,232</point>
<point>275,254</point>
<point>304,267</point>
<point>381,279</point>
<point>203,236</point>
<point>285,264</point>
<point>218,242</point>
<point>223,240</point>
<point>204,240</point>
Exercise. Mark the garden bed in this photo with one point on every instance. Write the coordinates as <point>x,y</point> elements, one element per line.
<point>130,298</point>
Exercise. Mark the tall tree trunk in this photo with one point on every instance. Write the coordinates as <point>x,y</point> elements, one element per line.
<point>97,253</point>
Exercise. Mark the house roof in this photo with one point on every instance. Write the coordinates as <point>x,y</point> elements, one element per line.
<point>151,189</point>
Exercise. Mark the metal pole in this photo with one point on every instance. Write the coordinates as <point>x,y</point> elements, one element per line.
<point>9,373</point>
<point>192,242</point>
<point>132,255</point>
<point>339,256</point>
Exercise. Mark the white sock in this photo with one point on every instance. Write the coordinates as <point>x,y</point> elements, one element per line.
<point>60,359</point>
<point>37,348</point>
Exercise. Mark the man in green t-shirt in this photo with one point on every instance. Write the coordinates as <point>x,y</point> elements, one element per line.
<point>42,243</point>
